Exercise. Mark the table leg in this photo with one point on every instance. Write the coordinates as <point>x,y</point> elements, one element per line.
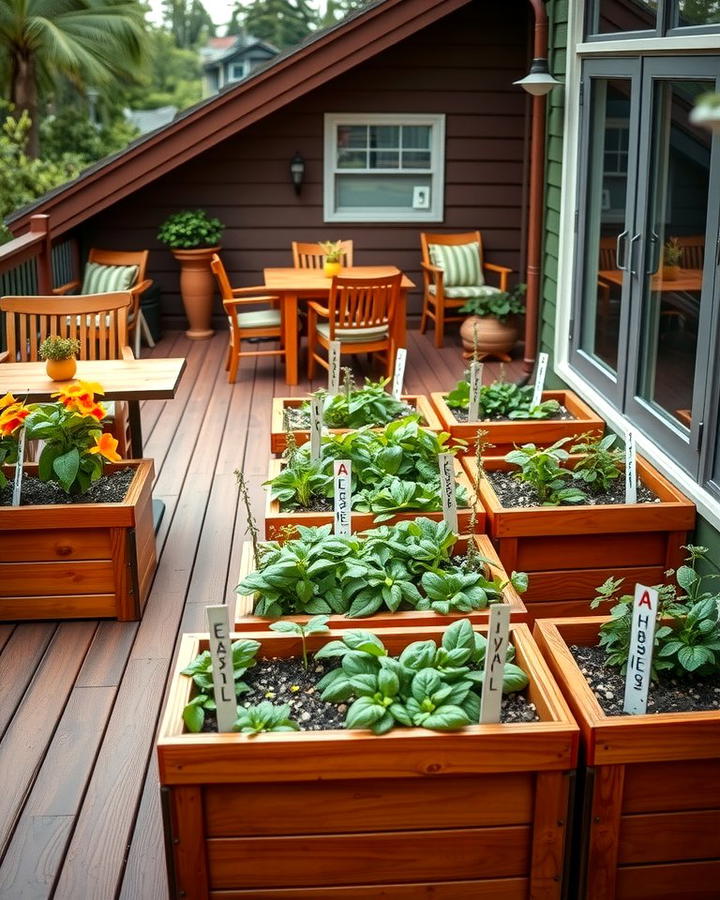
<point>291,338</point>
<point>136,441</point>
<point>400,323</point>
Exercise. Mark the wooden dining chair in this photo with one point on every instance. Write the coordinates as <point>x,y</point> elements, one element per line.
<point>312,256</point>
<point>266,322</point>
<point>454,270</point>
<point>359,314</point>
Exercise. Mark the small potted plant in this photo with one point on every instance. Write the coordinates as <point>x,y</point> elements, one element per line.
<point>672,254</point>
<point>491,328</point>
<point>193,237</point>
<point>59,354</point>
<point>707,112</point>
<point>333,257</point>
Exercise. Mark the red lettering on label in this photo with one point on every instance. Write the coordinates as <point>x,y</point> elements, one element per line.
<point>645,600</point>
<point>342,469</point>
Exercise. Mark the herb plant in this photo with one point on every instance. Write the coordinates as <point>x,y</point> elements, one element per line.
<point>541,467</point>
<point>368,405</point>
<point>54,347</point>
<point>497,304</point>
<point>333,250</point>
<point>190,229</point>
<point>601,463</point>
<point>264,716</point>
<point>501,400</point>
<point>316,625</point>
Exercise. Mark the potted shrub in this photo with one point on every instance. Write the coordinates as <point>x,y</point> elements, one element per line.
<point>672,256</point>
<point>81,544</point>
<point>491,328</point>
<point>193,237</point>
<point>652,784</point>
<point>507,416</point>
<point>707,112</point>
<point>59,354</point>
<point>333,251</point>
<point>239,807</point>
<point>563,519</point>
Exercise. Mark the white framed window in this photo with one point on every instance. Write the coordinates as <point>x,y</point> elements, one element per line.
<point>238,70</point>
<point>384,167</point>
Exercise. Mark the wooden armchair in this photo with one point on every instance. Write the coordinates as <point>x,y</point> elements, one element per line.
<point>311,256</point>
<point>359,314</point>
<point>255,323</point>
<point>453,272</point>
<point>93,278</point>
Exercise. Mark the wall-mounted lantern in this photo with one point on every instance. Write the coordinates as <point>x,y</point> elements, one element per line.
<point>297,172</point>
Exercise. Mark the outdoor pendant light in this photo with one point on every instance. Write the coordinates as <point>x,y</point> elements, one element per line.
<point>538,81</point>
<point>297,172</point>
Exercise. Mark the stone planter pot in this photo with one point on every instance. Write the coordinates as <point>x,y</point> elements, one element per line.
<point>197,287</point>
<point>494,338</point>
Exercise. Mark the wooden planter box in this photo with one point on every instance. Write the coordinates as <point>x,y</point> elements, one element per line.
<point>504,435</point>
<point>361,521</point>
<point>278,435</point>
<point>246,621</point>
<point>652,788</point>
<point>478,813</point>
<point>568,551</point>
<point>83,560</point>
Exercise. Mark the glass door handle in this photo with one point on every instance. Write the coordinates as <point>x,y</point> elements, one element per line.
<point>621,237</point>
<point>635,237</point>
<point>654,261</point>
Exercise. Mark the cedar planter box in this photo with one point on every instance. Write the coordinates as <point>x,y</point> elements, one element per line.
<point>652,788</point>
<point>476,813</point>
<point>82,560</point>
<point>568,551</point>
<point>275,519</point>
<point>278,435</point>
<point>504,434</point>
<point>246,621</point>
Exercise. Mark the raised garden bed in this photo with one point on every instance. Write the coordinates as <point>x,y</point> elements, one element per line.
<point>278,435</point>
<point>479,812</point>
<point>567,551</point>
<point>80,560</point>
<point>504,434</point>
<point>651,788</point>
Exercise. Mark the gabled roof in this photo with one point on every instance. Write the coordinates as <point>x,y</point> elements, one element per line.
<point>322,57</point>
<point>239,52</point>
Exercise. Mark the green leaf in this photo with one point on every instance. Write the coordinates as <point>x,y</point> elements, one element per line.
<point>285,627</point>
<point>363,713</point>
<point>194,717</point>
<point>447,718</point>
<point>66,468</point>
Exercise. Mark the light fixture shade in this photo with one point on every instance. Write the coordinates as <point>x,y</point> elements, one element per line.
<point>538,81</point>
<point>297,171</point>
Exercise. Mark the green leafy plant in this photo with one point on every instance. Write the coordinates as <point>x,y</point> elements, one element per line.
<point>58,348</point>
<point>501,400</point>
<point>601,463</point>
<point>316,625</point>
<point>541,467</point>
<point>333,250</point>
<point>672,252</point>
<point>497,304</point>
<point>190,229</point>
<point>353,408</point>
<point>264,717</point>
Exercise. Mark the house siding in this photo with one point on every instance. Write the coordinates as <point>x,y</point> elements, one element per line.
<point>462,66</point>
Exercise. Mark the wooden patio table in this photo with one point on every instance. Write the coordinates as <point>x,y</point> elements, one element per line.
<point>311,284</point>
<point>687,280</point>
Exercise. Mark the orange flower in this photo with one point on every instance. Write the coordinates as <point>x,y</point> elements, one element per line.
<point>106,445</point>
<point>12,418</point>
<point>79,392</point>
<point>7,400</point>
<point>86,406</point>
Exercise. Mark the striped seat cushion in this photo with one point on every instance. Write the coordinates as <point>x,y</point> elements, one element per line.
<point>354,335</point>
<point>459,262</point>
<point>106,279</point>
<point>466,293</point>
<point>259,318</point>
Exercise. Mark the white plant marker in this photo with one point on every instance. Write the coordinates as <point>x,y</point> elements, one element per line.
<point>334,368</point>
<point>342,473</point>
<point>476,375</point>
<point>316,423</point>
<point>492,689</point>
<point>540,379</point>
<point>399,376</point>
<point>630,468</point>
<point>222,666</point>
<point>642,639</point>
<point>446,463</point>
<point>17,482</point>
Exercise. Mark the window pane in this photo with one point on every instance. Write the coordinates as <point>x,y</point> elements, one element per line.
<point>697,12</point>
<point>416,137</point>
<point>385,136</point>
<point>416,159</point>
<point>387,159</point>
<point>352,159</point>
<point>615,16</point>
<point>352,135</point>
<point>396,191</point>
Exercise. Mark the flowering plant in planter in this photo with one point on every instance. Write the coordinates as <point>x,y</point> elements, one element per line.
<point>12,415</point>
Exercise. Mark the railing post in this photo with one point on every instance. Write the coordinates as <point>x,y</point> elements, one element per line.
<point>40,224</point>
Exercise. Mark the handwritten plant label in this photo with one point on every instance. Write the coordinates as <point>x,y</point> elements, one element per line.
<point>446,462</point>
<point>334,368</point>
<point>342,473</point>
<point>17,483</point>
<point>642,638</point>
<point>222,666</point>
<point>540,379</point>
<point>630,468</point>
<point>495,653</point>
<point>399,377</point>
<point>316,421</point>
<point>476,369</point>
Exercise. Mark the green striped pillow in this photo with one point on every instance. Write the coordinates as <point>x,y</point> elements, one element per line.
<point>106,279</point>
<point>459,262</point>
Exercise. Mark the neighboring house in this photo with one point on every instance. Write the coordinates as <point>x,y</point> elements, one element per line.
<point>232,58</point>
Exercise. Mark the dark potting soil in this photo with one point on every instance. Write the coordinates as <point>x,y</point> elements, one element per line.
<point>513,493</point>
<point>671,695</point>
<point>281,680</point>
<point>298,419</point>
<point>109,488</point>
<point>561,415</point>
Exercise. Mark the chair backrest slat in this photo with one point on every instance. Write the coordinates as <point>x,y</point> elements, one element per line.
<point>312,256</point>
<point>363,302</point>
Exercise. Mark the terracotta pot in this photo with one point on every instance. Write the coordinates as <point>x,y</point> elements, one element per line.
<point>494,338</point>
<point>197,287</point>
<point>670,273</point>
<point>331,269</point>
<point>61,369</point>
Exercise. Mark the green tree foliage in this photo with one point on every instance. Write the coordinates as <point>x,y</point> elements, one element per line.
<point>173,76</point>
<point>188,21</point>
<point>283,23</point>
<point>337,10</point>
<point>70,133</point>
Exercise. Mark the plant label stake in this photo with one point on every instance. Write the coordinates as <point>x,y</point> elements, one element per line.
<point>446,462</point>
<point>316,419</point>
<point>399,375</point>
<point>540,379</point>
<point>222,666</point>
<point>630,468</point>
<point>642,639</point>
<point>476,370</point>
<point>334,368</point>
<point>17,482</point>
<point>495,653</point>
<point>342,472</point>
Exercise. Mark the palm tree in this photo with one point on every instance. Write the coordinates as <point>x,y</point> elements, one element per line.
<point>86,41</point>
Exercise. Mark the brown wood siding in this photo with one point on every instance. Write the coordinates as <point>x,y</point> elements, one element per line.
<point>463,66</point>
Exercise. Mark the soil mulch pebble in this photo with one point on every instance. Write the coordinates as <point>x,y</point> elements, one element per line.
<point>671,695</point>
<point>513,493</point>
<point>561,415</point>
<point>298,419</point>
<point>107,489</point>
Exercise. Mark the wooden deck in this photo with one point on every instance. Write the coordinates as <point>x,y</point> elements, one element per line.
<point>79,702</point>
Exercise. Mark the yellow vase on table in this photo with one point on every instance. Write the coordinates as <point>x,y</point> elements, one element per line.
<point>331,269</point>
<point>61,369</point>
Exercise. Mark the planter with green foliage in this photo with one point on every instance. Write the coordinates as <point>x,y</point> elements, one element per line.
<point>491,328</point>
